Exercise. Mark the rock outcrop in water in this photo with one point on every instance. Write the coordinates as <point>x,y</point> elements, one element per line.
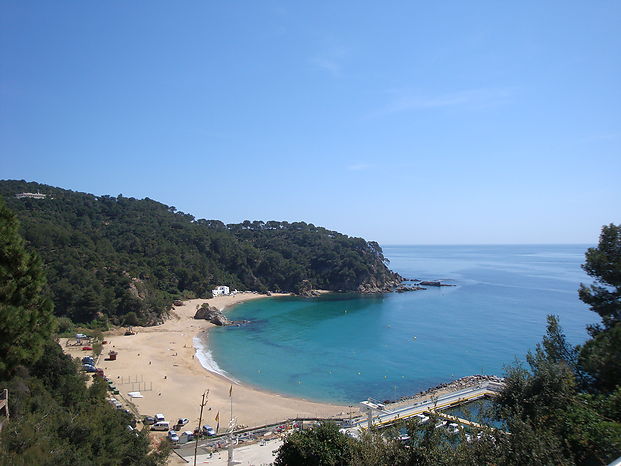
<point>433,283</point>
<point>212,315</point>
<point>373,285</point>
<point>405,288</point>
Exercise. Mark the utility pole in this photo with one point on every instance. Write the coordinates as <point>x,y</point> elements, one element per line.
<point>231,461</point>
<point>200,420</point>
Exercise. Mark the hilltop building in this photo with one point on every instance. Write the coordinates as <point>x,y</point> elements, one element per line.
<point>36,195</point>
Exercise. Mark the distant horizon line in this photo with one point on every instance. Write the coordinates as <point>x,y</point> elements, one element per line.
<point>489,244</point>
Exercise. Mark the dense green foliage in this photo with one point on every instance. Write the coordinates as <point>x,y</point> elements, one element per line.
<point>323,445</point>
<point>562,407</point>
<point>125,259</point>
<point>549,404</point>
<point>55,419</point>
<point>25,313</point>
<point>600,357</point>
<point>604,264</point>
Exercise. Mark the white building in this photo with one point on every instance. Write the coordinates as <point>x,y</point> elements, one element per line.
<point>221,291</point>
<point>36,195</point>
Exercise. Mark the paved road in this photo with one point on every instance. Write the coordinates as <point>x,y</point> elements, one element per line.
<point>255,454</point>
<point>262,453</point>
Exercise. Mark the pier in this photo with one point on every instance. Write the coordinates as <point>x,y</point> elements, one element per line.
<point>379,416</point>
<point>459,420</point>
<point>269,437</point>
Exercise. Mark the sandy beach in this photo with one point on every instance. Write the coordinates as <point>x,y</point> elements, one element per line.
<point>160,362</point>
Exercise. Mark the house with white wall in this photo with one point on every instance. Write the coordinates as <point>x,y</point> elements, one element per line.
<point>221,291</point>
<point>36,195</point>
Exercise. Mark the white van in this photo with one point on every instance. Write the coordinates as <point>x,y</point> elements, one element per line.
<point>186,437</point>
<point>162,425</point>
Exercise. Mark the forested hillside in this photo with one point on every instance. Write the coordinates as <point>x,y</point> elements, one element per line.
<point>124,260</point>
<point>54,418</point>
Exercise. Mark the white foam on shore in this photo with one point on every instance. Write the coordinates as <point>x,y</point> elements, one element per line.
<point>206,359</point>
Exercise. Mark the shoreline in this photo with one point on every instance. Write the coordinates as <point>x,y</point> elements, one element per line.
<point>205,358</point>
<point>212,367</point>
<point>171,368</point>
<point>163,364</point>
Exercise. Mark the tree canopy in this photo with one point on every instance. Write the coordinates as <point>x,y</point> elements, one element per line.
<point>25,311</point>
<point>123,259</point>
<point>55,419</point>
<point>323,445</point>
<point>603,263</point>
<point>600,357</point>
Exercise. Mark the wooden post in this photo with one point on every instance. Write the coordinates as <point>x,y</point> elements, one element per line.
<point>200,420</point>
<point>4,402</point>
<point>4,405</point>
<point>230,461</point>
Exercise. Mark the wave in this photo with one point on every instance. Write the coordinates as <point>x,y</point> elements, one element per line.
<point>207,361</point>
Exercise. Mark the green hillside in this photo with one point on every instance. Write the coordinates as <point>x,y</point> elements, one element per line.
<point>125,259</point>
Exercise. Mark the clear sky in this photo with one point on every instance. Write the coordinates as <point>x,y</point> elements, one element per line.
<point>463,122</point>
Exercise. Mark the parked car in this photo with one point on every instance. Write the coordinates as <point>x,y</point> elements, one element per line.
<point>279,429</point>
<point>208,430</point>
<point>116,403</point>
<point>182,421</point>
<point>186,436</point>
<point>159,417</point>
<point>148,420</point>
<point>89,368</point>
<point>246,437</point>
<point>162,425</point>
<point>172,436</point>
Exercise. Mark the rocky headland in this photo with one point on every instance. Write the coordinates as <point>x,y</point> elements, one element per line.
<point>373,285</point>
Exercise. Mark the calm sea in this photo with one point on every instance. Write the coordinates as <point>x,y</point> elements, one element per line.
<point>346,348</point>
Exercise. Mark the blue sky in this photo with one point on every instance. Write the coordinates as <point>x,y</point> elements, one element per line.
<point>402,122</point>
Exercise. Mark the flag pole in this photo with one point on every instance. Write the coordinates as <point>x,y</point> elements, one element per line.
<point>232,426</point>
<point>200,419</point>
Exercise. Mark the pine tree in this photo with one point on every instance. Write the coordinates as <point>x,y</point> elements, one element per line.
<point>604,264</point>
<point>600,357</point>
<point>26,320</point>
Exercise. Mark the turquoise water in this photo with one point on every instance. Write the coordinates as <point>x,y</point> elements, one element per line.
<point>346,348</point>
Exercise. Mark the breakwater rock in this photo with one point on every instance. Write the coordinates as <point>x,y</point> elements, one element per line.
<point>405,288</point>
<point>433,283</point>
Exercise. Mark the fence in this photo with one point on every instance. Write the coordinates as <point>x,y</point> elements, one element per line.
<point>137,383</point>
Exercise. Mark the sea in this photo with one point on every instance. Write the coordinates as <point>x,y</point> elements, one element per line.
<point>345,348</point>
